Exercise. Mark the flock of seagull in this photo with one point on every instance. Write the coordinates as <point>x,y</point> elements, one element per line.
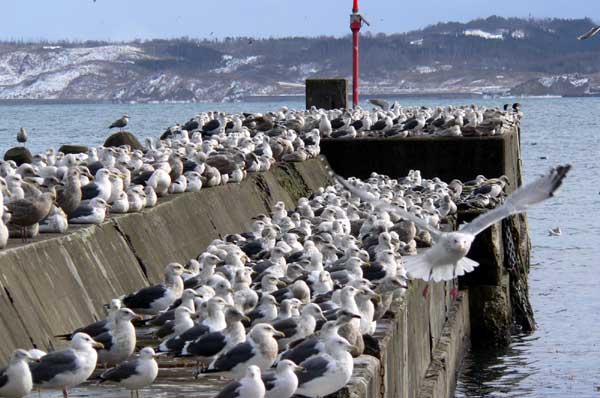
<point>212,148</point>
<point>281,309</point>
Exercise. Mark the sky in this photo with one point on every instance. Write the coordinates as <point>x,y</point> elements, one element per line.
<point>146,19</point>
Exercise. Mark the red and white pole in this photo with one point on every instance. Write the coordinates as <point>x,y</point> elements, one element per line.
<point>355,25</point>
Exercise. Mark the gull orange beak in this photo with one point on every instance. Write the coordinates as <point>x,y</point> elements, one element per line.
<point>97,344</point>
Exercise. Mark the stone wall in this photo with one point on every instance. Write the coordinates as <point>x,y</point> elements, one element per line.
<point>58,283</point>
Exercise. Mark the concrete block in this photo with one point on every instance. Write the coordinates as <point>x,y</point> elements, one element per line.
<point>443,157</point>
<point>327,93</point>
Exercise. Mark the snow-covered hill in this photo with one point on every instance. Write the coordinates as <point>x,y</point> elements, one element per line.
<point>485,56</point>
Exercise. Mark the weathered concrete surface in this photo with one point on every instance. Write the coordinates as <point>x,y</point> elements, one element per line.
<point>444,157</point>
<point>58,283</point>
<point>440,379</point>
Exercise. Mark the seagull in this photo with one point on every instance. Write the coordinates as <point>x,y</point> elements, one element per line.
<point>134,374</point>
<point>554,232</point>
<point>327,373</point>
<point>260,349</point>
<point>215,343</point>
<point>98,327</point>
<point>15,380</point>
<point>592,32</point>
<point>92,213</point>
<point>22,136</point>
<point>316,345</point>
<point>119,341</point>
<point>283,382</point>
<point>446,259</point>
<point>381,103</point>
<point>298,328</point>
<point>154,299</point>
<point>67,368</point>
<point>213,321</point>
<point>120,123</point>
<point>250,386</point>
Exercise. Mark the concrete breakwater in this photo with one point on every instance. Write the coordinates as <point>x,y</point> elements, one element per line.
<point>499,288</point>
<point>58,283</point>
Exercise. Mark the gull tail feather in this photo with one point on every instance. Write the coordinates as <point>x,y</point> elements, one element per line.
<point>418,267</point>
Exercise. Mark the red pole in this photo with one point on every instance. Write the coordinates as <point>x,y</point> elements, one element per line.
<point>355,25</point>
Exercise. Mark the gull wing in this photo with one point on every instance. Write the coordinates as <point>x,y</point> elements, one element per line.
<point>535,192</point>
<point>593,32</point>
<point>381,204</point>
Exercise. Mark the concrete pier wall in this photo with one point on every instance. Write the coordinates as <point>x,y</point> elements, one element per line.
<point>498,287</point>
<point>58,283</point>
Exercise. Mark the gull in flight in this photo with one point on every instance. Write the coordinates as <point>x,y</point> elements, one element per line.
<point>593,32</point>
<point>446,259</point>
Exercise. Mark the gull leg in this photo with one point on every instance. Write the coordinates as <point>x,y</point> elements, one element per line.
<point>65,393</point>
<point>426,289</point>
<point>454,290</point>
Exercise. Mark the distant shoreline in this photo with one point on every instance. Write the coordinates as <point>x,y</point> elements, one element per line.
<point>282,98</point>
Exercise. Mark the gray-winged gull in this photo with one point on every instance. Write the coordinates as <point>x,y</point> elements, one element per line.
<point>154,299</point>
<point>282,382</point>
<point>215,343</point>
<point>266,311</point>
<point>212,321</point>
<point>136,373</point>
<point>94,212</point>
<point>119,341</point>
<point>101,187</point>
<point>446,259</point>
<point>182,322</point>
<point>98,327</point>
<point>15,380</point>
<point>327,373</point>
<point>67,368</point>
<point>120,123</point>
<point>298,328</point>
<point>260,349</point>
<point>250,386</point>
<point>22,136</point>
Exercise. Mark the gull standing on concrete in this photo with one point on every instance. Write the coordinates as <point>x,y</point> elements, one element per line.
<point>93,212</point>
<point>327,373</point>
<point>215,343</point>
<point>446,259</point>
<point>136,373</point>
<point>283,382</point>
<point>15,380</point>
<point>154,299</point>
<point>250,386</point>
<point>30,211</point>
<point>120,123</point>
<point>316,345</point>
<point>98,327</point>
<point>119,341</point>
<point>67,368</point>
<point>260,349</point>
<point>298,328</point>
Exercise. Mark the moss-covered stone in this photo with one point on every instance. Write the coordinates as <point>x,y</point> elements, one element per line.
<point>123,138</point>
<point>19,154</point>
<point>67,148</point>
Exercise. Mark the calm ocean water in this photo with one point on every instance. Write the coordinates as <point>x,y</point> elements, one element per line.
<point>562,358</point>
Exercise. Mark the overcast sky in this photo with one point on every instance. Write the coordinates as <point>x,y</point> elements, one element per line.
<point>129,19</point>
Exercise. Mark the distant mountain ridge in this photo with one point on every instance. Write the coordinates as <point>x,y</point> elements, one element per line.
<point>485,56</point>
